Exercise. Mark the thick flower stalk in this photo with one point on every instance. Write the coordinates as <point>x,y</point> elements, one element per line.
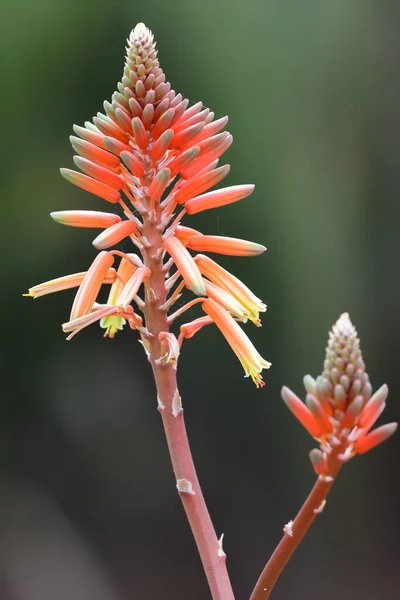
<point>154,158</point>
<point>339,413</point>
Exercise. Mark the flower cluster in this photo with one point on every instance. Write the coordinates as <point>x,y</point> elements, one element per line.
<point>340,409</point>
<point>154,156</point>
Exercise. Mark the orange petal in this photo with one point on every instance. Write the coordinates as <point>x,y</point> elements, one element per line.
<point>250,359</point>
<point>301,412</point>
<point>352,412</point>
<point>318,462</point>
<point>190,112</point>
<point>185,233</point>
<point>374,438</point>
<point>65,283</point>
<point>184,138</point>
<point>200,183</point>
<point>180,106</point>
<point>231,284</point>
<point>135,107</point>
<point>211,129</point>
<point>218,198</point>
<point>162,144</point>
<point>158,185</point>
<point>116,146</point>
<point>93,152</point>
<point>226,300</point>
<point>91,185</point>
<point>89,136</point>
<point>133,163</point>
<point>186,265</point>
<point>109,128</point>
<point>125,271</point>
<point>139,132</point>
<point>114,234</point>
<point>91,284</point>
<point>76,325</point>
<point>124,120</point>
<point>319,414</point>
<point>374,407</point>
<point>225,245</point>
<point>163,123</point>
<point>210,149</point>
<point>198,118</point>
<point>100,173</point>
<point>132,286</point>
<point>188,330</point>
<point>85,218</point>
<point>183,160</point>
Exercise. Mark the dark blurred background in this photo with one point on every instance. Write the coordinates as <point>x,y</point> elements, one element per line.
<point>88,507</point>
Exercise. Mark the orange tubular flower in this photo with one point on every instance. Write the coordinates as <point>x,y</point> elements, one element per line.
<point>231,284</point>
<point>225,245</point>
<point>91,284</point>
<point>218,198</point>
<point>186,265</point>
<point>250,359</point>
<point>340,410</point>
<point>114,234</point>
<point>154,156</point>
<point>85,218</point>
<point>65,283</point>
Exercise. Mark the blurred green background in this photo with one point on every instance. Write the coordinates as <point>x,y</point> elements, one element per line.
<point>88,507</point>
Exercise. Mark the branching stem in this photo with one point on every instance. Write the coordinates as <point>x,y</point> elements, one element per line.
<point>294,534</point>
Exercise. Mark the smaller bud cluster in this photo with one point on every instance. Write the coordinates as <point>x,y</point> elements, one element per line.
<point>340,409</point>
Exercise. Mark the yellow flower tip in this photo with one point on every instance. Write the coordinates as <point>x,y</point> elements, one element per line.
<point>258,380</point>
<point>112,325</point>
<point>251,361</point>
<point>29,295</point>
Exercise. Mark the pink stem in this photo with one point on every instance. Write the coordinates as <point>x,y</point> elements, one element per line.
<point>212,556</point>
<point>311,508</point>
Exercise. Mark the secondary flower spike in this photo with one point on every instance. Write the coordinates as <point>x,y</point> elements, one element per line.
<point>154,158</point>
<point>340,409</point>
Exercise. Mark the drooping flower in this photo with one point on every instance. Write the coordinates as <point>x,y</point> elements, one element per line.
<point>250,359</point>
<point>340,409</point>
<point>154,158</point>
